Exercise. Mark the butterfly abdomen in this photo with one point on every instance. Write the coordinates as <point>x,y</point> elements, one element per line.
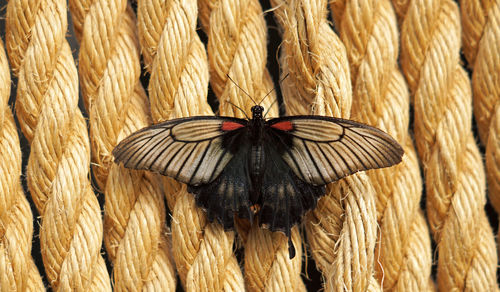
<point>256,162</point>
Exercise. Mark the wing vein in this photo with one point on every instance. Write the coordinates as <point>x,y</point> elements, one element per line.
<point>186,159</point>
<point>161,153</point>
<point>313,161</point>
<point>327,159</point>
<point>291,155</point>
<point>172,158</point>
<point>355,154</point>
<point>364,151</point>
<point>135,152</point>
<point>146,153</point>
<point>201,161</point>
<point>374,147</point>
<point>341,157</point>
<point>217,163</point>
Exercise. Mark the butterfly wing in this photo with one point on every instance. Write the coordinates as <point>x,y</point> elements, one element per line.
<point>191,150</point>
<point>229,192</point>
<point>321,150</point>
<point>285,198</point>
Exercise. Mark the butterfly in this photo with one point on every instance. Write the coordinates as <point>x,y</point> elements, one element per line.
<point>273,169</point>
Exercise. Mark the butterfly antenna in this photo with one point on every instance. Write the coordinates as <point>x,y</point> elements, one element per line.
<point>240,88</point>
<point>274,88</point>
<point>238,108</point>
<point>270,107</point>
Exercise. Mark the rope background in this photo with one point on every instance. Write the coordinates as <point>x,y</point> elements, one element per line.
<point>153,60</point>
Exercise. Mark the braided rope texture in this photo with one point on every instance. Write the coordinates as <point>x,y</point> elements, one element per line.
<point>341,231</point>
<point>237,48</point>
<point>368,233</point>
<point>135,231</point>
<point>17,268</point>
<point>177,61</point>
<point>368,29</point>
<point>57,173</point>
<point>480,38</point>
<point>454,175</point>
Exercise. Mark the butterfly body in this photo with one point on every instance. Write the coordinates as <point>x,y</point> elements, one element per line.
<point>274,169</point>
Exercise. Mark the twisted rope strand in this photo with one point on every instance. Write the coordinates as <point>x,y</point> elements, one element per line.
<point>178,87</point>
<point>481,32</point>
<point>135,236</point>
<point>430,43</point>
<point>17,268</point>
<point>341,230</point>
<point>380,98</point>
<point>237,47</point>
<point>57,172</point>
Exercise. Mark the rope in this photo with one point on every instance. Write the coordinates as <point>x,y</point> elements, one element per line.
<point>17,268</point>
<point>57,172</point>
<point>135,235</point>
<point>481,32</point>
<point>237,47</point>
<point>341,230</point>
<point>178,87</point>
<point>454,179</point>
<point>380,98</point>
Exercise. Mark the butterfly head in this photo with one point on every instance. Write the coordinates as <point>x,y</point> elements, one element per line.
<point>257,112</point>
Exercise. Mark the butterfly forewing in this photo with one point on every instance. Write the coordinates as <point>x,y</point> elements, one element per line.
<point>321,150</point>
<point>190,150</point>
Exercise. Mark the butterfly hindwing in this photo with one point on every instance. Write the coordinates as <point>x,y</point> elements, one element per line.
<point>321,150</point>
<point>284,197</point>
<point>191,150</point>
<point>228,193</point>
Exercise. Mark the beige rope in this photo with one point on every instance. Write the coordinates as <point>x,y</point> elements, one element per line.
<point>341,231</point>
<point>430,44</point>
<point>481,35</point>
<point>136,235</point>
<point>17,268</point>
<point>178,87</point>
<point>57,172</point>
<point>380,98</point>
<point>237,47</point>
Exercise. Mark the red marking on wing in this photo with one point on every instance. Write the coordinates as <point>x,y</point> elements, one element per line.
<point>283,126</point>
<point>231,126</point>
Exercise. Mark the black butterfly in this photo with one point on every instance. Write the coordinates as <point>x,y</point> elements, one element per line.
<point>275,169</point>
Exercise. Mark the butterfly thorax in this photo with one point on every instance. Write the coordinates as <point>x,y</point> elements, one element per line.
<point>256,125</point>
<point>256,158</point>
